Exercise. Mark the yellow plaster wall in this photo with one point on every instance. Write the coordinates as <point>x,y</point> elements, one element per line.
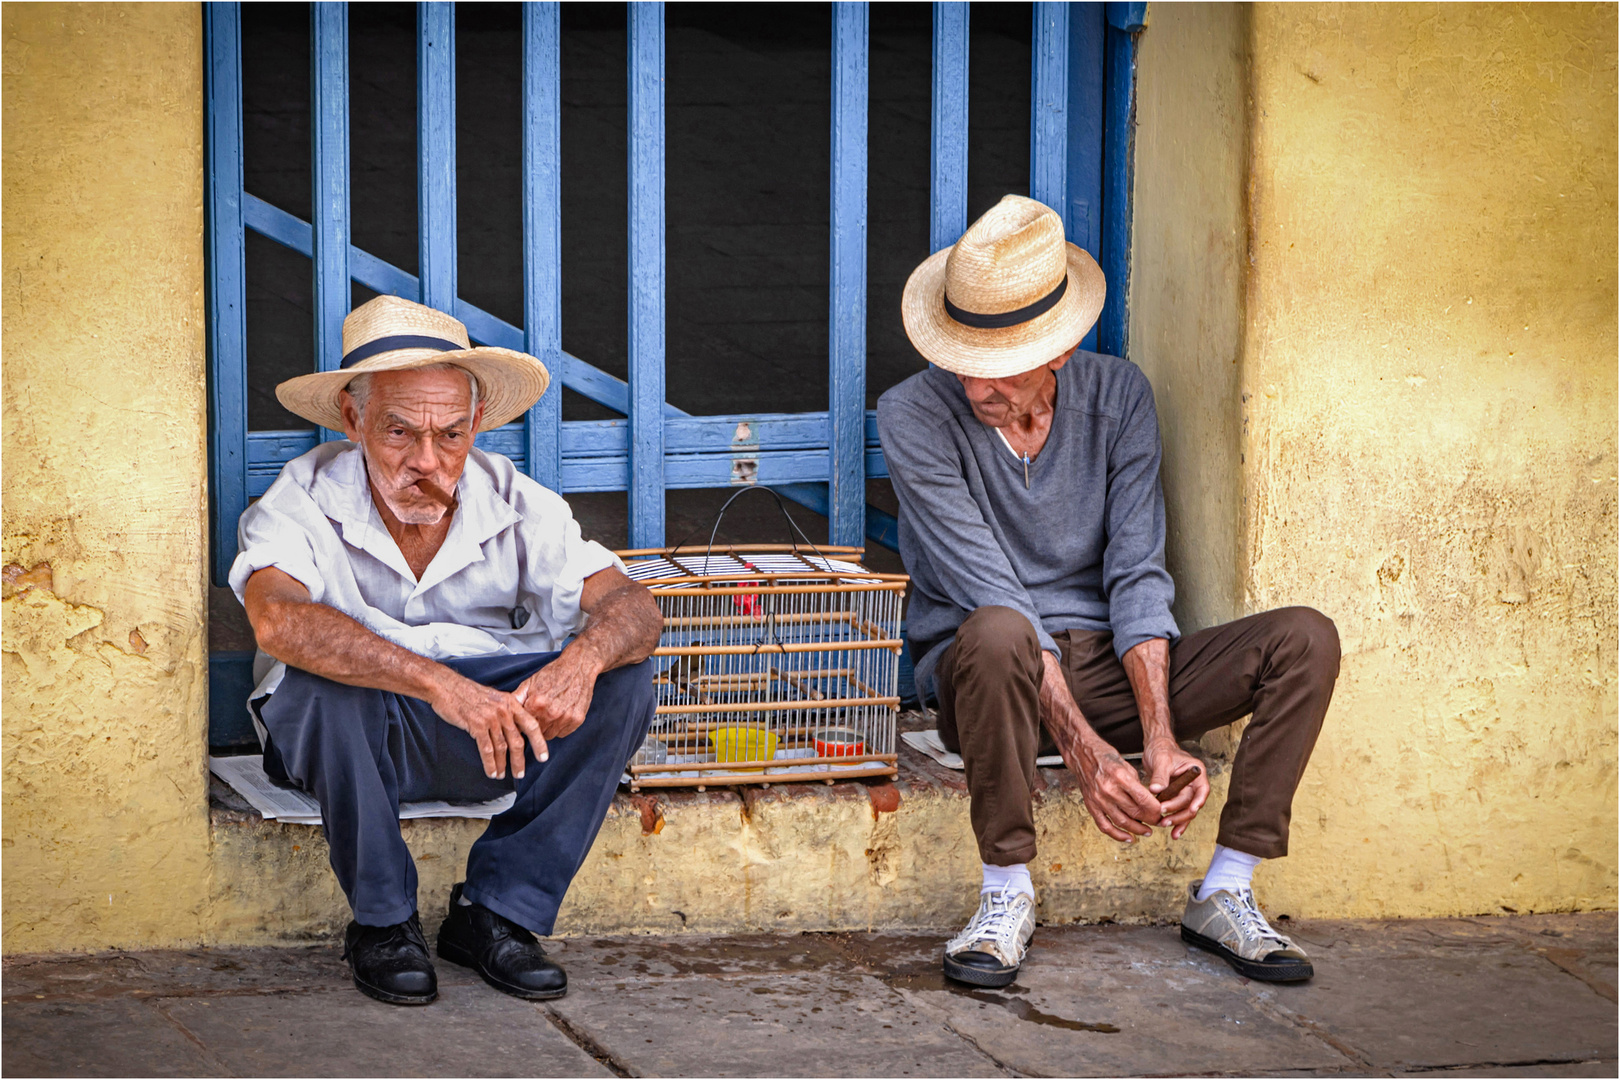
<point>1188,249</point>
<point>1428,410</point>
<point>105,668</point>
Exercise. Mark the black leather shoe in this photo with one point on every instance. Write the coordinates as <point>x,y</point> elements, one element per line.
<point>504,953</point>
<point>390,963</point>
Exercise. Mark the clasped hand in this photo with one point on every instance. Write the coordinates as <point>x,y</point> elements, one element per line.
<point>1121,804</point>
<point>548,705</point>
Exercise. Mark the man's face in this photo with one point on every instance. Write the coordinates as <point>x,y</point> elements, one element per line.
<point>417,426</point>
<point>998,402</point>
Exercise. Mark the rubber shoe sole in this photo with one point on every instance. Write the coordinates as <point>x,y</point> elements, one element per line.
<point>978,976</point>
<point>394,999</point>
<point>1258,970</point>
<point>449,950</point>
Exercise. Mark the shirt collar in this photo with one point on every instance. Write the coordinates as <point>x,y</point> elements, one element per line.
<point>342,492</point>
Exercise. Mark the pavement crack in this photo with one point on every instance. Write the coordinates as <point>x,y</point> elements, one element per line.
<point>971,1041</point>
<point>1441,1070</point>
<point>1267,1006</point>
<point>582,1039</point>
<point>1571,962</point>
<point>221,1069</point>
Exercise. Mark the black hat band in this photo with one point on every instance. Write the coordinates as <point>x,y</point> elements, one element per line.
<point>399,341</point>
<point>1003,319</point>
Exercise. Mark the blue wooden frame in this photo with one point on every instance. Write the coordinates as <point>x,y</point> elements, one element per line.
<point>846,321</point>
<point>436,152</point>
<point>329,134</point>
<point>646,120</point>
<point>819,459</point>
<point>227,276</point>
<point>1126,20</point>
<point>948,126</point>
<point>542,229</point>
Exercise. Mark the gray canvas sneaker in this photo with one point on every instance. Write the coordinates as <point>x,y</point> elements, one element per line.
<point>989,950</point>
<point>1230,925</point>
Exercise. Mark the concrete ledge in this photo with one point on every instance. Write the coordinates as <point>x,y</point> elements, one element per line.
<point>850,856</point>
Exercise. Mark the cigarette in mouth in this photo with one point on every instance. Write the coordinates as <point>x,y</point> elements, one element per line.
<point>432,491</point>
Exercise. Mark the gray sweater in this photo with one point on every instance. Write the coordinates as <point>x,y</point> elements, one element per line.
<point>1081,547</point>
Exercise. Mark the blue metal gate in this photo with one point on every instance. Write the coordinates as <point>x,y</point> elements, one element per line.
<point>1081,118</point>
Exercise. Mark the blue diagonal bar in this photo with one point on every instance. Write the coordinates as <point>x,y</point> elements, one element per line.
<point>646,34</point>
<point>846,404</point>
<point>542,231</point>
<point>227,276</point>
<point>948,172</point>
<point>329,32</point>
<point>436,152</point>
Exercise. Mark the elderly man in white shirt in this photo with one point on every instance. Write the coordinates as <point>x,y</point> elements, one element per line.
<point>413,592</point>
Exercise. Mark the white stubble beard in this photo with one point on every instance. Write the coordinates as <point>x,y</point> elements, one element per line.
<point>431,514</point>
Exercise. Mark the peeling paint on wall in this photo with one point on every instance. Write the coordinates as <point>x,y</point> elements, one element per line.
<point>104,673</point>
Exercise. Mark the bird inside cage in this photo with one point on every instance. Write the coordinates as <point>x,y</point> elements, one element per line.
<point>685,673</point>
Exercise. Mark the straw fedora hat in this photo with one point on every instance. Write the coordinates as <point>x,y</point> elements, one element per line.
<point>389,333</point>
<point>1007,297</point>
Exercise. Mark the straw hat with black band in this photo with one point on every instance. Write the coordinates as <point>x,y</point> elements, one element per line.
<point>1007,297</point>
<point>389,333</point>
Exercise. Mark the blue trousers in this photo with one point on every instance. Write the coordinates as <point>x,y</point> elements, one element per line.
<point>360,752</point>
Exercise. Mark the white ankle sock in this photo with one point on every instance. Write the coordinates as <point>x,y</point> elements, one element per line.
<point>1229,870</point>
<point>999,877</point>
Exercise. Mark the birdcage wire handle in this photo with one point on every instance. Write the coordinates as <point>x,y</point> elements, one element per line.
<point>708,551</point>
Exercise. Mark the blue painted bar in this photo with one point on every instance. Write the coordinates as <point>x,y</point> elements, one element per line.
<point>846,337</point>
<point>1048,103</point>
<point>227,282</point>
<point>646,119</point>
<point>948,171</point>
<point>278,225</point>
<point>542,231</point>
<point>1125,21</point>
<point>1083,186</point>
<point>436,152</point>
<point>698,450</point>
<point>374,273</point>
<point>329,33</point>
<point>1127,15</point>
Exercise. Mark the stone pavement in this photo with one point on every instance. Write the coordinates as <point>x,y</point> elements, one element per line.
<point>1509,996</point>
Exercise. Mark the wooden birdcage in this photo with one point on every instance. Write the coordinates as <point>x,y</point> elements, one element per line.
<point>777,663</point>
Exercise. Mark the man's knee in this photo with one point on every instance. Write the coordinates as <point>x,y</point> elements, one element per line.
<point>311,718</point>
<point>627,690</point>
<point>1311,636</point>
<point>999,639</point>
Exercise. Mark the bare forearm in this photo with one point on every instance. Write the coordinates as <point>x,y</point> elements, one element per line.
<point>1148,667</point>
<point>623,629</point>
<point>324,641</point>
<point>1070,730</point>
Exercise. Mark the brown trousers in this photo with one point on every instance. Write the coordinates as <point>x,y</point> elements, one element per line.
<point>1279,665</point>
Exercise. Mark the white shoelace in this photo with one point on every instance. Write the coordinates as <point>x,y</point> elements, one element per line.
<point>996,920</point>
<point>1251,920</point>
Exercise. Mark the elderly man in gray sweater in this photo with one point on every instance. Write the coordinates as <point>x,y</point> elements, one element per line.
<point>1032,524</point>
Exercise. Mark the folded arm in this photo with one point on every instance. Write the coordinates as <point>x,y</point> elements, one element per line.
<point>317,638</point>
<point>623,628</point>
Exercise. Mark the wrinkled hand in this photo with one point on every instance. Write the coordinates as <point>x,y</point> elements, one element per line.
<point>1163,759</point>
<point>496,720</point>
<point>1118,802</point>
<point>558,696</point>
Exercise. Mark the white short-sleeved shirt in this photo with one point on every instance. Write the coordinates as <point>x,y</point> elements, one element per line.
<point>507,580</point>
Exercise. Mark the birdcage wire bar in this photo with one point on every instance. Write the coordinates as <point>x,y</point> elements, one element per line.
<point>777,664</point>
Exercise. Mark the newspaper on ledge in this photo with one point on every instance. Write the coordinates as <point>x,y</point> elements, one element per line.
<point>247,778</point>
